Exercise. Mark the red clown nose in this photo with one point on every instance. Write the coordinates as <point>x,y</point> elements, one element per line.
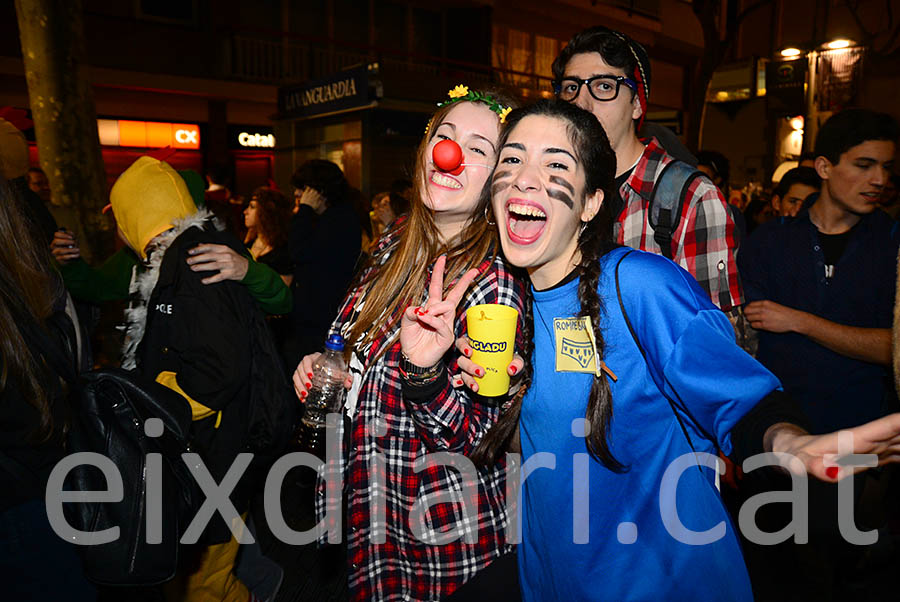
<point>447,156</point>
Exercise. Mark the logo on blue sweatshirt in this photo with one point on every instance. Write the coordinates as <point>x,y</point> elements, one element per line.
<point>582,353</point>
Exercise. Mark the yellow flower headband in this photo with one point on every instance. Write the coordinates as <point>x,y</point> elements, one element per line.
<point>461,92</point>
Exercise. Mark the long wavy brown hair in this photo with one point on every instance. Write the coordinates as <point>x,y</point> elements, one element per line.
<point>273,216</point>
<point>27,290</point>
<point>392,284</point>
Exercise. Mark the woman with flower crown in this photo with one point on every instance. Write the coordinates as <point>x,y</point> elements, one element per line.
<point>417,527</point>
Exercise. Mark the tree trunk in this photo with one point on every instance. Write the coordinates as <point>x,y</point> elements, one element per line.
<point>62,107</point>
<point>707,12</point>
<point>698,107</point>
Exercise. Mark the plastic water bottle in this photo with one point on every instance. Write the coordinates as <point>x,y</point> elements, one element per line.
<point>325,397</point>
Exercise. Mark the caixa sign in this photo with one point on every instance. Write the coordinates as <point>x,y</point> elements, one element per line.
<point>148,134</point>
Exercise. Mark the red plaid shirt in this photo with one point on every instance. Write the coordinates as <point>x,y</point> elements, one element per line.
<point>705,242</point>
<point>404,494</point>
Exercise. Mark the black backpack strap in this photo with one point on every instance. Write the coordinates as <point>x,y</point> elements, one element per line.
<point>672,403</point>
<point>667,202</point>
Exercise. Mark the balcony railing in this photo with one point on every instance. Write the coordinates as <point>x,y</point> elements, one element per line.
<point>268,59</point>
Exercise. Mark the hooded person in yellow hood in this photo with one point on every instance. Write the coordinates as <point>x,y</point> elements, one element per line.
<point>194,338</point>
<point>147,200</point>
<point>146,210</point>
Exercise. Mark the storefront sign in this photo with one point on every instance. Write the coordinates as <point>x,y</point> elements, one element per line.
<point>250,137</point>
<point>148,134</point>
<point>256,140</point>
<point>786,86</point>
<point>345,90</point>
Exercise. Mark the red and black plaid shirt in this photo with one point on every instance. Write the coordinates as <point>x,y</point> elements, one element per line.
<point>399,497</point>
<point>704,242</point>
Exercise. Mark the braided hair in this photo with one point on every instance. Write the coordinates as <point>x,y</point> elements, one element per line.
<point>594,152</point>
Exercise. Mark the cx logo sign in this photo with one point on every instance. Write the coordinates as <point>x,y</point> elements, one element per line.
<point>185,136</point>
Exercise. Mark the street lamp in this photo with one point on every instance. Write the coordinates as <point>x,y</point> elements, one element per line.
<point>838,44</point>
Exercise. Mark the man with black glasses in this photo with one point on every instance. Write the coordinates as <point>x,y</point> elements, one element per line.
<point>607,73</point>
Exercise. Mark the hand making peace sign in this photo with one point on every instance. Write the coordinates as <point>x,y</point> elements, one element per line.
<point>427,331</point>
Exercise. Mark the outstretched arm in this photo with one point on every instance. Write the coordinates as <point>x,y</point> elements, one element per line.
<point>823,457</point>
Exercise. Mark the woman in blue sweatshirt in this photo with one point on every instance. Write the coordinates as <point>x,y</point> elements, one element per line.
<point>631,371</point>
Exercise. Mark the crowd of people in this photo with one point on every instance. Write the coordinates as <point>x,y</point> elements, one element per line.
<point>755,205</point>
<point>593,483</point>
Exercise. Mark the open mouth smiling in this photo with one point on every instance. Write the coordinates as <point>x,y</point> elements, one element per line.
<point>445,181</point>
<point>525,221</point>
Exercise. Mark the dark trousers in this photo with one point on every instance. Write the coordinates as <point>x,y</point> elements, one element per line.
<point>498,582</point>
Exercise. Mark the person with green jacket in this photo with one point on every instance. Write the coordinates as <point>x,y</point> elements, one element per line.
<point>110,281</point>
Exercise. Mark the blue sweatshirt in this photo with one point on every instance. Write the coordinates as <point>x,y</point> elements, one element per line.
<point>590,533</point>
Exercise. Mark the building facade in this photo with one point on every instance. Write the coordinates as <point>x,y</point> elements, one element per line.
<point>226,70</point>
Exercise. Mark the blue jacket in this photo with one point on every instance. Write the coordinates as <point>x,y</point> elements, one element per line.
<point>783,262</point>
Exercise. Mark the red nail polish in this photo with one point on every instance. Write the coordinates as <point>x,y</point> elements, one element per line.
<point>477,371</point>
<point>309,375</point>
<point>308,385</point>
<point>303,394</point>
<point>467,352</point>
<point>832,472</point>
<point>513,369</point>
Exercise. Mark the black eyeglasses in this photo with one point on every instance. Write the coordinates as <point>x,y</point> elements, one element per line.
<point>602,87</point>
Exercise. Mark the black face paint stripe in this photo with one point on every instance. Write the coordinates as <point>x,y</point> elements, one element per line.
<point>559,195</point>
<point>499,175</point>
<point>496,182</point>
<point>561,182</point>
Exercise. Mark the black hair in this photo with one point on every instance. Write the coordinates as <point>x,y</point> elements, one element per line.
<point>613,48</point>
<point>218,174</point>
<point>852,127</point>
<point>807,156</point>
<point>617,50</point>
<point>719,163</point>
<point>36,170</point>
<point>593,151</point>
<point>798,175</point>
<point>324,177</point>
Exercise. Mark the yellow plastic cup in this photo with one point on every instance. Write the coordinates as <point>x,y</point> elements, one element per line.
<point>492,336</point>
